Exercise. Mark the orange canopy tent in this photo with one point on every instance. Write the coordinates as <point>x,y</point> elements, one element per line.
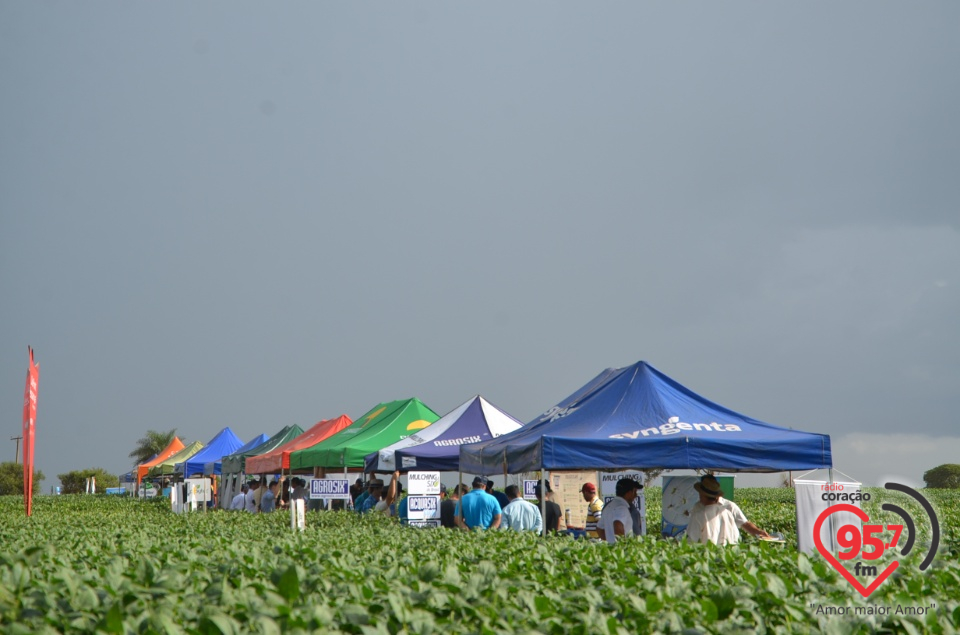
<point>175,446</point>
<point>279,458</point>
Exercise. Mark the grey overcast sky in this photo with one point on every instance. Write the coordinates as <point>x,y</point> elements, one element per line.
<point>237,214</point>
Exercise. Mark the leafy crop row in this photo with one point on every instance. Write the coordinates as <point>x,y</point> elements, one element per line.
<point>86,564</point>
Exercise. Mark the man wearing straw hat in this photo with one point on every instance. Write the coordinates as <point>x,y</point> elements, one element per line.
<point>717,520</point>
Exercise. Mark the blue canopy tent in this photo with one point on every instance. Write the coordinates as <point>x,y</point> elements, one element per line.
<point>214,467</point>
<point>437,447</point>
<point>224,443</point>
<point>637,417</point>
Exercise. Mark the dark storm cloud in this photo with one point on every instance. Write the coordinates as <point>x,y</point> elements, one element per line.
<point>258,217</point>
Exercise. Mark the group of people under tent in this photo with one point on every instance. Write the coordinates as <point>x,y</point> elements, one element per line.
<point>255,498</point>
<point>713,519</point>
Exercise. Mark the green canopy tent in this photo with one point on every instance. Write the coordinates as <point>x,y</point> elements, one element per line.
<point>167,467</point>
<point>234,465</point>
<point>382,425</point>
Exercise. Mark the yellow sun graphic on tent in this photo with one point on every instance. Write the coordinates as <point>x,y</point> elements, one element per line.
<point>419,424</point>
<point>373,415</point>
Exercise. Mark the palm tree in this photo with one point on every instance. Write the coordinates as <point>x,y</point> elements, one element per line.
<point>151,444</point>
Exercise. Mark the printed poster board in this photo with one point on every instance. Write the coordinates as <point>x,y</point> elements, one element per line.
<point>566,494</point>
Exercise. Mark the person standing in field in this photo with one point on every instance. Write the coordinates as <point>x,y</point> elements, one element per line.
<point>552,517</point>
<point>299,489</point>
<point>480,510</point>
<point>250,498</point>
<point>239,500</point>
<point>617,520</point>
<point>269,501</point>
<point>386,500</point>
<point>448,507</point>
<point>373,495</point>
<point>519,514</point>
<point>500,496</point>
<point>594,509</point>
<point>716,519</point>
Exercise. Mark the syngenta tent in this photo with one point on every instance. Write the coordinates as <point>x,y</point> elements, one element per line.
<point>637,417</point>
<point>169,466</point>
<point>225,442</point>
<point>437,447</point>
<point>384,424</point>
<point>279,458</point>
<point>236,462</point>
<point>172,448</point>
<point>216,467</point>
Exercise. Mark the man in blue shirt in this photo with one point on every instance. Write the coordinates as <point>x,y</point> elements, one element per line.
<point>269,501</point>
<point>375,489</point>
<point>480,510</point>
<point>520,515</point>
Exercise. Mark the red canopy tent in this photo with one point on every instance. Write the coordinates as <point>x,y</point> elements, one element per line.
<point>279,458</point>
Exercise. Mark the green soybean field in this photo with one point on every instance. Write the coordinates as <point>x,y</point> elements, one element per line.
<point>86,564</point>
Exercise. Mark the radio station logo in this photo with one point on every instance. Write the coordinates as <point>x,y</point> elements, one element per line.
<point>860,548</point>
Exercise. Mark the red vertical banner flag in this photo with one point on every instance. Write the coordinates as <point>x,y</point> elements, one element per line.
<point>29,423</point>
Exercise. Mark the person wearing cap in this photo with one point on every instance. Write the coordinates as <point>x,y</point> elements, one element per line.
<point>551,519</point>
<point>519,514</point>
<point>616,519</point>
<point>479,509</point>
<point>716,519</point>
<point>594,509</point>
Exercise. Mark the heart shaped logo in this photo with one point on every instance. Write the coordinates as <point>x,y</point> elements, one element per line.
<point>862,515</point>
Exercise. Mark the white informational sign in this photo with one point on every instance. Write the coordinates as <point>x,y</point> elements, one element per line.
<point>423,508</point>
<point>148,490</point>
<point>608,491</point>
<point>530,489</point>
<point>198,490</point>
<point>813,497</point>
<point>329,488</point>
<point>424,484</point>
<point>176,504</point>
<point>297,510</point>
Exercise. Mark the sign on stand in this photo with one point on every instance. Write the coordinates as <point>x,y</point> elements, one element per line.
<point>608,491</point>
<point>197,492</point>
<point>530,489</point>
<point>423,503</point>
<point>175,503</point>
<point>329,488</point>
<point>297,520</point>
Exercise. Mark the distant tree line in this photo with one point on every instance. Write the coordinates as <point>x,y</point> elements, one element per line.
<point>11,479</point>
<point>75,482</point>
<point>946,476</point>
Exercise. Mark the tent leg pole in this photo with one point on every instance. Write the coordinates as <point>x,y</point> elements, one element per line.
<point>460,502</point>
<point>543,502</point>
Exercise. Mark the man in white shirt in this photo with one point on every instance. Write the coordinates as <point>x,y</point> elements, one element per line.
<point>519,514</point>
<point>238,501</point>
<point>715,519</point>
<point>616,519</point>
